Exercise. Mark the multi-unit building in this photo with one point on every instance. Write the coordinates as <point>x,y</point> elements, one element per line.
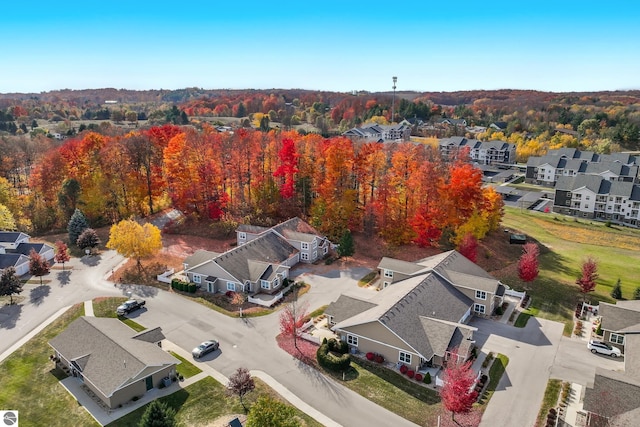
<point>546,170</point>
<point>482,152</point>
<point>373,132</point>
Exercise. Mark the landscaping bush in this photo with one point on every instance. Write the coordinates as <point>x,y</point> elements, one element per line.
<point>174,283</point>
<point>330,361</point>
<point>379,358</point>
<point>499,311</point>
<point>370,356</point>
<point>427,378</point>
<point>192,288</point>
<point>403,369</point>
<point>410,373</point>
<point>338,346</point>
<point>419,377</point>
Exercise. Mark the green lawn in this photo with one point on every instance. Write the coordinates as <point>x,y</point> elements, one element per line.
<point>495,373</point>
<point>394,392</point>
<point>186,368</point>
<point>106,307</point>
<point>568,243</point>
<point>367,279</point>
<point>522,320</point>
<point>29,382</point>
<point>205,401</point>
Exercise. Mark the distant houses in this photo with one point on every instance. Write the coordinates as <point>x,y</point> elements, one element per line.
<point>373,132</point>
<point>482,152</point>
<point>15,248</point>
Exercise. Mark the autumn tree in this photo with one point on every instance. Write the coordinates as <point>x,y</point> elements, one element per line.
<point>88,239</point>
<point>69,196</point>
<point>7,222</point>
<point>133,240</point>
<point>346,247</point>
<point>469,247</point>
<point>267,411</point>
<point>158,414</point>
<point>288,167</point>
<point>38,266</point>
<point>10,284</point>
<point>587,280</point>
<point>528,262</point>
<point>241,383</point>
<point>458,394</point>
<point>238,298</point>
<point>291,320</point>
<point>62,253</point>
<point>77,224</point>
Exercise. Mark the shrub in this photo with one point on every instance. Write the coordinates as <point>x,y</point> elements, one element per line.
<point>410,373</point>
<point>499,311</point>
<point>379,358</point>
<point>338,346</point>
<point>330,361</point>
<point>419,377</point>
<point>427,378</point>
<point>174,283</point>
<point>370,356</point>
<point>229,294</point>
<point>403,369</point>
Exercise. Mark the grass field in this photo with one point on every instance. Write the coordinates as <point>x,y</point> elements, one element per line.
<point>106,307</point>
<point>567,242</point>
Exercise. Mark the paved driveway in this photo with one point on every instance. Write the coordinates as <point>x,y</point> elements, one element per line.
<point>531,351</point>
<point>576,364</point>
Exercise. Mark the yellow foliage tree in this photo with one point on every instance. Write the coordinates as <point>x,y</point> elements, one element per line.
<point>7,222</point>
<point>133,240</point>
<point>476,225</point>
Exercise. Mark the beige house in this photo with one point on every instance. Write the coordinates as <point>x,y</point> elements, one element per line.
<point>113,361</point>
<point>485,291</point>
<point>618,320</point>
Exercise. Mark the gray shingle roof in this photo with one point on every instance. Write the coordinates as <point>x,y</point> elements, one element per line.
<point>345,307</point>
<point>108,353</point>
<point>613,394</point>
<point>11,236</point>
<point>404,267</point>
<point>40,248</point>
<point>296,229</point>
<point>620,316</point>
<point>198,257</point>
<point>12,260</point>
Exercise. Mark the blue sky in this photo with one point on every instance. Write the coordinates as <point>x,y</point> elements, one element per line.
<point>560,45</point>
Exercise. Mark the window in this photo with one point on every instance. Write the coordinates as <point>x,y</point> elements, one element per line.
<point>304,256</point>
<point>388,273</point>
<point>231,286</point>
<point>305,246</point>
<point>405,357</point>
<point>478,308</point>
<point>481,295</point>
<point>325,250</point>
<point>197,278</point>
<point>617,338</point>
<point>242,235</point>
<point>352,340</point>
<point>264,284</point>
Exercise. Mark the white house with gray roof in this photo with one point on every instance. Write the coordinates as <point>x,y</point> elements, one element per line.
<point>373,132</point>
<point>595,197</point>
<point>15,248</point>
<point>112,360</point>
<point>482,152</point>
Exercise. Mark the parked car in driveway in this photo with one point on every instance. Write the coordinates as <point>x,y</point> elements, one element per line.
<point>603,348</point>
<point>129,306</point>
<point>204,348</point>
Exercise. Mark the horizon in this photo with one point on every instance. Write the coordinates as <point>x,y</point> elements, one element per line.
<point>546,47</point>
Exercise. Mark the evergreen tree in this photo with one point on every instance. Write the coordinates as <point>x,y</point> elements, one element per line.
<point>242,110</point>
<point>616,292</point>
<point>77,224</point>
<point>158,415</point>
<point>636,293</point>
<point>346,247</point>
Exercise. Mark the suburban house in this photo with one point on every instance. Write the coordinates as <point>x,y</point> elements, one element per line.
<point>453,122</point>
<point>15,249</point>
<point>618,320</point>
<point>419,316</point>
<point>112,360</point>
<point>546,170</point>
<point>261,261</point>
<point>596,197</point>
<point>614,398</point>
<point>372,132</point>
<point>299,234</point>
<point>482,152</point>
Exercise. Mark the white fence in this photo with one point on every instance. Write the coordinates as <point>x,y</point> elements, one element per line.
<point>164,277</point>
<point>310,338</point>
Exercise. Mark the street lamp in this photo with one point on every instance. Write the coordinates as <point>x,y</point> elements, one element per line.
<point>393,101</point>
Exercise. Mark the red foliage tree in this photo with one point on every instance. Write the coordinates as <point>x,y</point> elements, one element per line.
<point>291,320</point>
<point>38,266</point>
<point>288,167</point>
<point>458,394</point>
<point>587,281</point>
<point>469,247</point>
<point>62,253</point>
<point>528,263</point>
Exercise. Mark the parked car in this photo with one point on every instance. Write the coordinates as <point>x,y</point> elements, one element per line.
<point>129,306</point>
<point>603,348</point>
<point>204,348</point>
